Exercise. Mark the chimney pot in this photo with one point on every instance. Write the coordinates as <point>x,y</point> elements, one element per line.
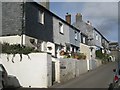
<point>68,18</point>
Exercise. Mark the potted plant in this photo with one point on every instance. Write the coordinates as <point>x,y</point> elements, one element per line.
<point>62,52</point>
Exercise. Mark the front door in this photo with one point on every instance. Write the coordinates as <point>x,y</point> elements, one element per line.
<point>53,72</point>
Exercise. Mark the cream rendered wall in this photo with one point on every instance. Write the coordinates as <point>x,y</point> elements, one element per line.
<point>81,67</point>
<point>68,72</point>
<point>67,69</point>
<point>73,68</point>
<point>26,41</point>
<point>86,50</point>
<point>11,39</point>
<point>90,55</point>
<point>16,39</point>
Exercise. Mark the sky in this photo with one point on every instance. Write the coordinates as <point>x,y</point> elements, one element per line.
<point>102,14</point>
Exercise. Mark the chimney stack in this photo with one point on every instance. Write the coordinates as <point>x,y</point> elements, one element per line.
<point>78,17</point>
<point>68,18</point>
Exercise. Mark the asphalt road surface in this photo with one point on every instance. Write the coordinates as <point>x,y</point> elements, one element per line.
<point>98,78</point>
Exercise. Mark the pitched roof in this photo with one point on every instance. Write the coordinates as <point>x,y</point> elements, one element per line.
<point>101,34</point>
<point>38,5</point>
<point>82,26</point>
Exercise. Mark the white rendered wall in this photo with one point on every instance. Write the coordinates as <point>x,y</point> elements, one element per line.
<point>11,39</point>
<point>52,45</point>
<point>34,72</point>
<point>86,50</point>
<point>57,69</point>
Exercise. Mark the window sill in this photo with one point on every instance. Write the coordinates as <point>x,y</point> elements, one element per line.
<point>76,40</point>
<point>62,33</point>
<point>41,23</point>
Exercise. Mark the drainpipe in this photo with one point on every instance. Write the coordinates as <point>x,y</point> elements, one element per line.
<point>23,21</point>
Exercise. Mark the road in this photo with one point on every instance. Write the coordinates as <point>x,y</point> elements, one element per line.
<point>98,78</point>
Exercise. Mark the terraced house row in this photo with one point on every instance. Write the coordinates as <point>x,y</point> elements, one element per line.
<point>32,24</point>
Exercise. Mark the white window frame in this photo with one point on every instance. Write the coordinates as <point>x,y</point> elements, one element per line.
<point>41,17</point>
<point>84,40</point>
<point>1,69</point>
<point>61,28</point>
<point>96,37</point>
<point>76,36</point>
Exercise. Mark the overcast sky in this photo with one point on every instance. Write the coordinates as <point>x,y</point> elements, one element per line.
<point>103,15</point>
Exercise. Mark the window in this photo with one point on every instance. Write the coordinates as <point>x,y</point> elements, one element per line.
<point>83,39</point>
<point>1,69</point>
<point>41,17</point>
<point>96,37</point>
<point>61,28</point>
<point>76,35</point>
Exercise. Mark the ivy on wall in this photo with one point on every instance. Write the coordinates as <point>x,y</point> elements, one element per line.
<point>16,49</point>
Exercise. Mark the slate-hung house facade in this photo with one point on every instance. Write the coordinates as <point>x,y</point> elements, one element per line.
<point>90,35</point>
<point>91,38</point>
<point>96,38</point>
<point>81,25</point>
<point>37,27</point>
<point>84,44</point>
<point>66,37</point>
<point>25,23</point>
<point>33,25</point>
<point>51,30</point>
<point>105,45</point>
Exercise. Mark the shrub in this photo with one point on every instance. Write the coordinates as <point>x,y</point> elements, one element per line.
<point>79,56</point>
<point>16,49</point>
<point>102,56</point>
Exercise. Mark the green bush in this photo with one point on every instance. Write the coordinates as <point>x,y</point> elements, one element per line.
<point>99,54</point>
<point>78,56</point>
<point>16,49</point>
<point>102,56</point>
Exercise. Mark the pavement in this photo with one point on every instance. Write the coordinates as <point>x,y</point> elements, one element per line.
<point>100,77</point>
